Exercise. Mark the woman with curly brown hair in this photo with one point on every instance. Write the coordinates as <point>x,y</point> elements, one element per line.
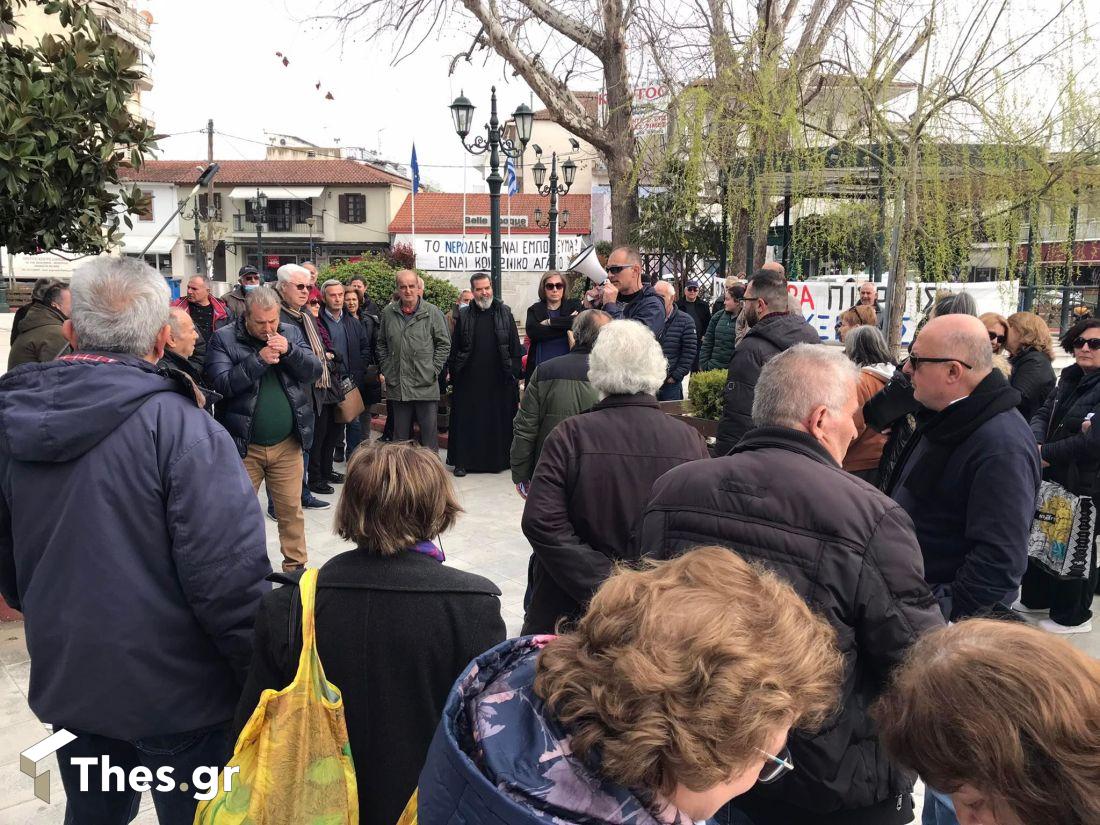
<point>674,693</point>
<point>1031,352</point>
<point>1003,717</point>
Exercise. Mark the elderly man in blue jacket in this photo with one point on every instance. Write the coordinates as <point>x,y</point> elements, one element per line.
<point>131,539</point>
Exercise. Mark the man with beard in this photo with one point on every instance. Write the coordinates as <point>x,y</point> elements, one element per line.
<point>772,329</point>
<point>486,363</point>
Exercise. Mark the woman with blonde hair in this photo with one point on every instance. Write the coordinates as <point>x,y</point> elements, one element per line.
<point>1004,718</point>
<point>857,316</point>
<point>394,625</point>
<point>997,327</point>
<point>1031,352</point>
<point>673,694</point>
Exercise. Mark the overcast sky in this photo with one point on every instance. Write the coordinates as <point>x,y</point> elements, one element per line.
<point>217,60</point>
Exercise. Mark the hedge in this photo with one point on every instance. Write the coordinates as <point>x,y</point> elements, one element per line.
<point>380,276</point>
<point>705,394</point>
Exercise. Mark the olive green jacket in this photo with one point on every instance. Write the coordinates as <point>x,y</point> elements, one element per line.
<point>413,352</point>
<point>39,338</point>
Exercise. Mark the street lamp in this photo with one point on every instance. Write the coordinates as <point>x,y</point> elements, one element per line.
<point>538,171</point>
<point>462,111</point>
<point>309,222</point>
<point>200,253</point>
<point>259,215</point>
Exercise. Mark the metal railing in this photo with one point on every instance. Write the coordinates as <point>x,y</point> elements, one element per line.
<point>278,223</point>
<point>1060,305</point>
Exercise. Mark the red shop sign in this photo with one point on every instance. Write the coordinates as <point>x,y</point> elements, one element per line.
<point>272,262</point>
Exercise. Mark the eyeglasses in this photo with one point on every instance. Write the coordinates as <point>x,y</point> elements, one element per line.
<point>693,289</point>
<point>994,338</point>
<point>776,766</point>
<point>1091,343</point>
<point>301,287</point>
<point>617,268</point>
<point>917,360</point>
<point>250,279</point>
<point>555,286</point>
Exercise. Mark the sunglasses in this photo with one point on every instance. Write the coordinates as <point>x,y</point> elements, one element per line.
<point>917,360</point>
<point>615,270</point>
<point>1091,343</point>
<point>994,338</point>
<point>776,766</point>
<point>555,286</point>
<point>250,279</point>
<point>301,287</point>
<point>693,289</point>
<point>315,303</point>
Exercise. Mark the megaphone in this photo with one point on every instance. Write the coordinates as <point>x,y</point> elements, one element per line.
<point>588,265</point>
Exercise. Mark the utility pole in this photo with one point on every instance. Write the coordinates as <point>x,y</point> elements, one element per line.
<point>210,212</point>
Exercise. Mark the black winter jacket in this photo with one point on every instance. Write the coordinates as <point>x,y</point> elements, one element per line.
<point>234,369</point>
<point>770,336</point>
<point>781,500</point>
<point>393,634</point>
<point>360,336</point>
<point>1032,377</point>
<point>593,478</point>
<point>538,332</point>
<point>700,313</point>
<point>679,343</point>
<point>1074,456</point>
<point>644,306</point>
<point>462,344</point>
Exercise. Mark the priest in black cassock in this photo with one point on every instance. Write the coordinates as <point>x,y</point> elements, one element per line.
<point>486,363</point>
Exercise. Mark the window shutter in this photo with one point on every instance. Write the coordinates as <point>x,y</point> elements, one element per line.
<point>343,208</point>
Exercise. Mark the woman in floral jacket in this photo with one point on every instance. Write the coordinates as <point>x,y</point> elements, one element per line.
<point>674,694</point>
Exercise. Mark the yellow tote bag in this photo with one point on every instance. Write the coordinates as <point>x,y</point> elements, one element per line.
<point>408,816</point>
<point>293,755</point>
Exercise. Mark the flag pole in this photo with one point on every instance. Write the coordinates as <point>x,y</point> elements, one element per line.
<point>465,155</point>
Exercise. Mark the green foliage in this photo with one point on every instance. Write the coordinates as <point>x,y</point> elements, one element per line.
<point>380,276</point>
<point>603,249</point>
<point>843,236</point>
<point>65,134</point>
<point>705,394</point>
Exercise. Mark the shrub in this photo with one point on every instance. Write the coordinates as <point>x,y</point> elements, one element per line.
<point>402,256</point>
<point>705,394</point>
<point>380,276</point>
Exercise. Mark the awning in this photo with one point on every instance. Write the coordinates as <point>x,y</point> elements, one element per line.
<point>294,193</point>
<point>132,244</point>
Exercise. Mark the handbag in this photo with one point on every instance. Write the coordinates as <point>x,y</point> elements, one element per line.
<point>293,758</point>
<point>1063,533</point>
<point>351,407</point>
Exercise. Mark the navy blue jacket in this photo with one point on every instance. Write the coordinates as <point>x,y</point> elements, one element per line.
<point>679,343</point>
<point>648,307</point>
<point>132,540</point>
<point>359,337</point>
<point>234,369</point>
<point>973,530</point>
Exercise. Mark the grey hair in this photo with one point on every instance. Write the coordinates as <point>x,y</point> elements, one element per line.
<point>175,317</point>
<point>288,271</point>
<point>119,305</point>
<point>205,279</point>
<point>954,303</point>
<point>330,282</point>
<point>587,326</point>
<point>865,345</point>
<point>626,359</point>
<point>261,299</point>
<point>48,290</point>
<point>799,379</point>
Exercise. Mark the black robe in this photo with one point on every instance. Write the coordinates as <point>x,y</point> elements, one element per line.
<point>483,405</point>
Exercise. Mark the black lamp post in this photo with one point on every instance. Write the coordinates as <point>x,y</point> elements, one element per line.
<point>259,215</point>
<point>200,253</point>
<point>462,111</point>
<point>538,171</point>
<point>309,222</point>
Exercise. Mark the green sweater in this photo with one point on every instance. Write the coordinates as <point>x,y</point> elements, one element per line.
<point>274,420</point>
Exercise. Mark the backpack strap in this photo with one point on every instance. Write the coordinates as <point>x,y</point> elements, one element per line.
<point>294,621</point>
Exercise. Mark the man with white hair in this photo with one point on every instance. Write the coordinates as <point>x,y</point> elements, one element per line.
<point>969,475</point>
<point>782,500</point>
<point>678,341</point>
<point>131,539</point>
<point>594,475</point>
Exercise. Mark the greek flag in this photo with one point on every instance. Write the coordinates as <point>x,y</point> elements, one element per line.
<point>510,177</point>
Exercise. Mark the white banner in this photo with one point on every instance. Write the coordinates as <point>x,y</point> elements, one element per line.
<point>822,302</point>
<point>519,253</point>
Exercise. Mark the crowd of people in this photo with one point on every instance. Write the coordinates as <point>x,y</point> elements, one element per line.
<point>786,627</point>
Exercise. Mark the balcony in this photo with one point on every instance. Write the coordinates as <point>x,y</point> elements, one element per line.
<point>278,224</point>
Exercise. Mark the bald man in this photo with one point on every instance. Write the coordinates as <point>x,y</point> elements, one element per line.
<point>969,476</point>
<point>678,341</point>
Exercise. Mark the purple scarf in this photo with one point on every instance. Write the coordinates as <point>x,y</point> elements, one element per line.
<point>428,549</point>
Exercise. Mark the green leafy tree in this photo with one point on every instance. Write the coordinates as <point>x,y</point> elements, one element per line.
<point>381,279</point>
<point>66,132</point>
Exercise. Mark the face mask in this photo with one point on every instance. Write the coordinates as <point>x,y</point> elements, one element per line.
<point>463,304</point>
<point>249,287</point>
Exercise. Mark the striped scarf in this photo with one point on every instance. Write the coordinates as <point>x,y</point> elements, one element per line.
<point>309,324</point>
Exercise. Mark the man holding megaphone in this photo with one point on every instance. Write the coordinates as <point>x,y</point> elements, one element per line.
<point>619,292</point>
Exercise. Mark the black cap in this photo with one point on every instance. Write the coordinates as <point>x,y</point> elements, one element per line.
<point>248,270</point>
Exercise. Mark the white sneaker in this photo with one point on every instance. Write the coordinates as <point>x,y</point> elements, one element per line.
<point>1051,626</point>
<point>1020,607</point>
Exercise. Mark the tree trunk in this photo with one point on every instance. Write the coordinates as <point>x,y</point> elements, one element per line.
<point>621,148</point>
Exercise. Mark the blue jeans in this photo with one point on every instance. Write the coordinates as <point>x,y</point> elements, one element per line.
<point>671,392</point>
<point>182,752</point>
<point>938,809</point>
<point>353,437</point>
